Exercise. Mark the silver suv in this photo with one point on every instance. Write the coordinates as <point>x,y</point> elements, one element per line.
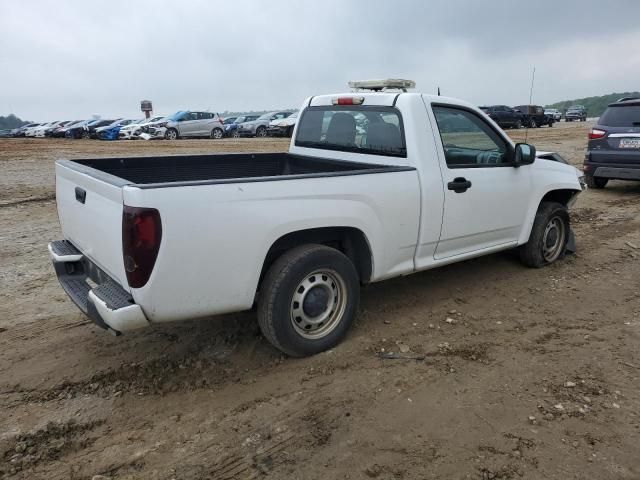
<point>259,126</point>
<point>193,124</point>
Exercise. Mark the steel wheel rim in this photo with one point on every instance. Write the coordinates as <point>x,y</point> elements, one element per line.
<point>553,239</point>
<point>309,318</point>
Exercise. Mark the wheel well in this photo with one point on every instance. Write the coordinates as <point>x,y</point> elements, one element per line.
<point>350,241</point>
<point>560,196</point>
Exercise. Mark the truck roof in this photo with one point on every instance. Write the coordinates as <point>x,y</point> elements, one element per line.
<point>386,99</point>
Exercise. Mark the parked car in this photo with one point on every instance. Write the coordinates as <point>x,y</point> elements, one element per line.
<point>283,127</point>
<point>5,133</point>
<point>81,129</point>
<point>534,116</point>
<point>112,131</point>
<point>49,132</point>
<point>60,132</point>
<point>91,129</point>
<point>192,124</point>
<point>231,130</point>
<point>576,112</point>
<point>553,113</point>
<point>297,233</point>
<point>31,131</point>
<point>133,130</point>
<point>259,126</point>
<point>613,151</point>
<point>504,116</point>
<point>41,131</point>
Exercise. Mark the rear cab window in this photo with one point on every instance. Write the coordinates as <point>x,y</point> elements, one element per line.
<point>373,130</point>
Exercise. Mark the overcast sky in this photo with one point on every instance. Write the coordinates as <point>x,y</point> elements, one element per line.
<point>72,59</point>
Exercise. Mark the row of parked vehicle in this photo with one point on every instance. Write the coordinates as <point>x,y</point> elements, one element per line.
<point>182,124</point>
<point>532,116</point>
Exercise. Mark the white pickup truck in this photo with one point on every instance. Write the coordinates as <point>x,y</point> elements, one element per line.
<point>376,184</point>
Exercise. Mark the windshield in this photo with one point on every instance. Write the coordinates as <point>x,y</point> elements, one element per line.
<point>229,120</point>
<point>372,130</point>
<point>176,115</point>
<point>265,116</point>
<point>294,115</point>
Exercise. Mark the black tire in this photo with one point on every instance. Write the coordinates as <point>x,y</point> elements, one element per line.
<point>286,280</point>
<point>235,134</point>
<point>217,134</point>
<point>550,124</point>
<point>534,253</point>
<point>518,124</point>
<point>532,123</point>
<point>171,134</point>
<point>597,183</point>
<point>85,135</point>
<point>261,132</point>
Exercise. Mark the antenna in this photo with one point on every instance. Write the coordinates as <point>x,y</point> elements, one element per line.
<point>438,91</point>
<point>533,76</point>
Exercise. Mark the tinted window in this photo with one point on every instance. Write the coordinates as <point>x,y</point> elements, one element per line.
<point>628,116</point>
<point>469,140</point>
<point>372,130</point>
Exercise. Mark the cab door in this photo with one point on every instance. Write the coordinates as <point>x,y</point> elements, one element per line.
<point>486,197</point>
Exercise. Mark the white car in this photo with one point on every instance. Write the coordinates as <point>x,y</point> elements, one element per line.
<point>431,181</point>
<point>32,131</point>
<point>133,130</point>
<point>283,127</point>
<point>553,112</point>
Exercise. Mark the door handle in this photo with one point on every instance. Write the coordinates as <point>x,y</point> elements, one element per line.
<point>459,185</point>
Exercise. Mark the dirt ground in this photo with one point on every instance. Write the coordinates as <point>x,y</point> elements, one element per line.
<point>527,373</point>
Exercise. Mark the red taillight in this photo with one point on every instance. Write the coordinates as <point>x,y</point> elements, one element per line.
<point>141,236</point>
<point>596,133</point>
<point>348,101</point>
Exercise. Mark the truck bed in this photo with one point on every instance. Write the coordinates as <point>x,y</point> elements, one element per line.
<point>176,170</point>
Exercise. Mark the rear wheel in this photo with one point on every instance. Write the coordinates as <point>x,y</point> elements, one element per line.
<point>85,135</point>
<point>217,134</point>
<point>532,123</point>
<point>308,300</point>
<point>518,124</point>
<point>596,182</point>
<point>549,236</point>
<point>171,134</point>
<point>235,134</point>
<point>261,132</point>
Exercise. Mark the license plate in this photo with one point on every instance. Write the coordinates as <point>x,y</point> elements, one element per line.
<point>630,143</point>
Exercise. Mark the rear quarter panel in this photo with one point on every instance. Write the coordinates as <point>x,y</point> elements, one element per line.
<point>215,237</point>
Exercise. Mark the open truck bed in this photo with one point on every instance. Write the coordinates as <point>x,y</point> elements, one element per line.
<point>180,170</point>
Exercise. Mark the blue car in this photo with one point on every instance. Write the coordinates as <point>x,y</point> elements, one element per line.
<point>231,128</point>
<point>112,131</point>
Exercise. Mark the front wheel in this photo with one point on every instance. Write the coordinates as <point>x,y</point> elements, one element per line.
<point>308,300</point>
<point>217,134</point>
<point>596,182</point>
<point>532,123</point>
<point>171,134</point>
<point>261,132</point>
<point>85,135</point>
<point>549,236</point>
<point>518,124</point>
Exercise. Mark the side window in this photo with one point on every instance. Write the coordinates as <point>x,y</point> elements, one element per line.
<point>468,140</point>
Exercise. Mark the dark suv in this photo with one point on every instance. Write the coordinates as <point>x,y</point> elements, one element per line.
<point>534,116</point>
<point>576,112</point>
<point>504,116</point>
<point>613,151</point>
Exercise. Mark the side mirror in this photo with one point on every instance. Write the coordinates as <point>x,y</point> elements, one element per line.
<point>525,154</point>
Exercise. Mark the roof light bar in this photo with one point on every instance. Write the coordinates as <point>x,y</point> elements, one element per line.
<point>382,84</point>
<point>348,100</point>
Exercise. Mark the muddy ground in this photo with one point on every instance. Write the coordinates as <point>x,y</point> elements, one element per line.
<point>527,373</point>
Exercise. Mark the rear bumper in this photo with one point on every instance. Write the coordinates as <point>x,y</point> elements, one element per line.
<point>107,304</point>
<point>614,171</point>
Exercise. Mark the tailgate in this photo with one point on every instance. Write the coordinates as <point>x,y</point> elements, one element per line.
<point>95,225</point>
